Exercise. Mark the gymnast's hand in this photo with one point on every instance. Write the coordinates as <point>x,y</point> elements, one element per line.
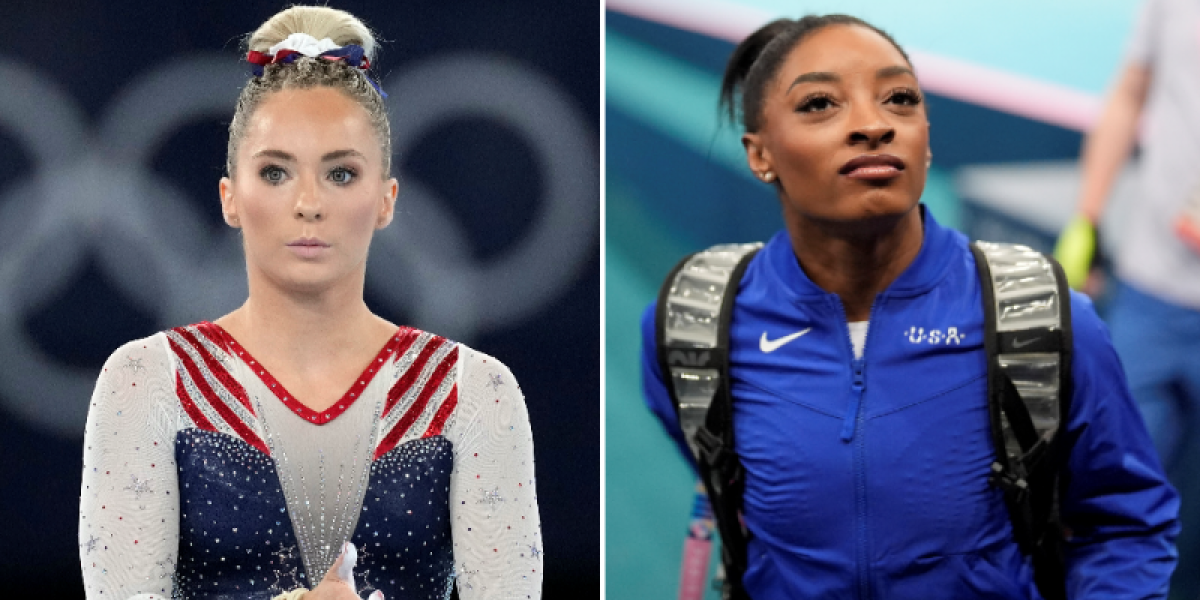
<point>338,583</point>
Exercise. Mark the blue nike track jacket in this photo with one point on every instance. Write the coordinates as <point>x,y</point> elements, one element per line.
<point>882,492</point>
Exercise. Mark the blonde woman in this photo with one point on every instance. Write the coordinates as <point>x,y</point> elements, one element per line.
<point>301,446</point>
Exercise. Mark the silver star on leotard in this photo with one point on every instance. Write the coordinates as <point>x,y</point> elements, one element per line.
<point>167,565</point>
<point>491,496</point>
<point>139,486</point>
<point>290,575</point>
<point>362,575</point>
<point>496,381</point>
<point>465,577</point>
<point>133,364</point>
<point>285,554</point>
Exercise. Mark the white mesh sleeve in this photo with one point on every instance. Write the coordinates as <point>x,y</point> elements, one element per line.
<point>493,498</point>
<point>129,501</point>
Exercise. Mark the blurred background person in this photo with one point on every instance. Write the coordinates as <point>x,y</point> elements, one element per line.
<point>1155,314</point>
<point>113,127</point>
<point>1010,98</point>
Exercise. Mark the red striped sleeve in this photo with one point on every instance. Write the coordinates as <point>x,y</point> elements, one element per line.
<point>189,407</point>
<point>215,334</point>
<point>406,341</point>
<point>218,370</point>
<point>215,401</point>
<point>409,377</point>
<point>443,413</point>
<point>410,416</point>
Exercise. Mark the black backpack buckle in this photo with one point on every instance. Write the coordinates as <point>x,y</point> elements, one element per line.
<point>1011,483</point>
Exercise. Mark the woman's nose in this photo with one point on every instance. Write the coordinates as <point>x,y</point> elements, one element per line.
<point>308,203</point>
<point>869,125</point>
<point>873,134</point>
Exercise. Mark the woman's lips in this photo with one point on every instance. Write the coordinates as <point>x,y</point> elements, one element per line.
<point>308,248</point>
<point>873,167</point>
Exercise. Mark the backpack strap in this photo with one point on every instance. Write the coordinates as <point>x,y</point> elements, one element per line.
<point>695,309</point>
<point>1027,315</point>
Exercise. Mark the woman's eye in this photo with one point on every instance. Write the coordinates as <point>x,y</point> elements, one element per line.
<point>905,98</point>
<point>816,104</point>
<point>341,175</point>
<point>272,174</point>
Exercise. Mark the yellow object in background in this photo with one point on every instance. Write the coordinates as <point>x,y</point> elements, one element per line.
<point>1076,250</point>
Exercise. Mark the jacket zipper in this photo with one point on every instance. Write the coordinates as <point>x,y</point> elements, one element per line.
<point>852,424</point>
<point>853,416</point>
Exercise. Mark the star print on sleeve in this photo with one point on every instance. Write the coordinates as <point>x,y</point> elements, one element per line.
<point>166,567</point>
<point>466,578</point>
<point>493,507</point>
<point>128,520</point>
<point>133,364</point>
<point>139,486</point>
<point>491,497</point>
<point>495,381</point>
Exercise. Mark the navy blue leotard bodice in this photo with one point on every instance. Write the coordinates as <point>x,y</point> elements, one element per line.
<point>237,540</point>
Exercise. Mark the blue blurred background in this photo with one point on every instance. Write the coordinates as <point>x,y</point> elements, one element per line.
<point>113,120</point>
<point>1011,87</point>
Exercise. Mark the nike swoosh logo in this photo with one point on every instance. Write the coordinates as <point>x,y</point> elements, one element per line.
<point>769,346</point>
<point>1022,344</point>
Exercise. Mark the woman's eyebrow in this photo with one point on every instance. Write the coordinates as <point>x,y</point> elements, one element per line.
<point>336,154</point>
<point>815,76</point>
<point>280,154</point>
<point>828,77</point>
<point>894,71</point>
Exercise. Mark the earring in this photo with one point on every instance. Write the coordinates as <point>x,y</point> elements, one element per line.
<point>767,176</point>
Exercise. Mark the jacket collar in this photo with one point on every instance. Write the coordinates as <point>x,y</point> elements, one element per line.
<point>926,271</point>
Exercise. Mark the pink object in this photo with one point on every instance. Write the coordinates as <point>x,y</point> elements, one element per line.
<point>1188,230</point>
<point>693,576</point>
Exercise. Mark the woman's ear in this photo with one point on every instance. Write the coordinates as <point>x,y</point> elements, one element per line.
<point>388,209</point>
<point>757,157</point>
<point>228,208</point>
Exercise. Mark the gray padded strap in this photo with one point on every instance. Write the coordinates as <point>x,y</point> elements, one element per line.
<point>692,330</point>
<point>1028,307</point>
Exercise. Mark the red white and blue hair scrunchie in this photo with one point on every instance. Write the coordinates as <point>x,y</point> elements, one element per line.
<point>302,44</point>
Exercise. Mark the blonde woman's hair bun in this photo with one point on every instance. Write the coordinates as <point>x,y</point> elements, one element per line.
<point>318,21</point>
<point>306,72</point>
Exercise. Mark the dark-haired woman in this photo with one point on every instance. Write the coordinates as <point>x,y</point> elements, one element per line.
<point>867,446</point>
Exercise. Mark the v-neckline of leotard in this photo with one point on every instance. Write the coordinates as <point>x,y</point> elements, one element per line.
<point>289,399</point>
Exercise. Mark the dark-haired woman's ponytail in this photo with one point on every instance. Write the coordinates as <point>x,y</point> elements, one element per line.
<point>743,58</point>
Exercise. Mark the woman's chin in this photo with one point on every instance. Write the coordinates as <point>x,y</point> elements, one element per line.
<point>876,206</point>
<point>883,202</point>
<point>306,279</point>
<point>866,215</point>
